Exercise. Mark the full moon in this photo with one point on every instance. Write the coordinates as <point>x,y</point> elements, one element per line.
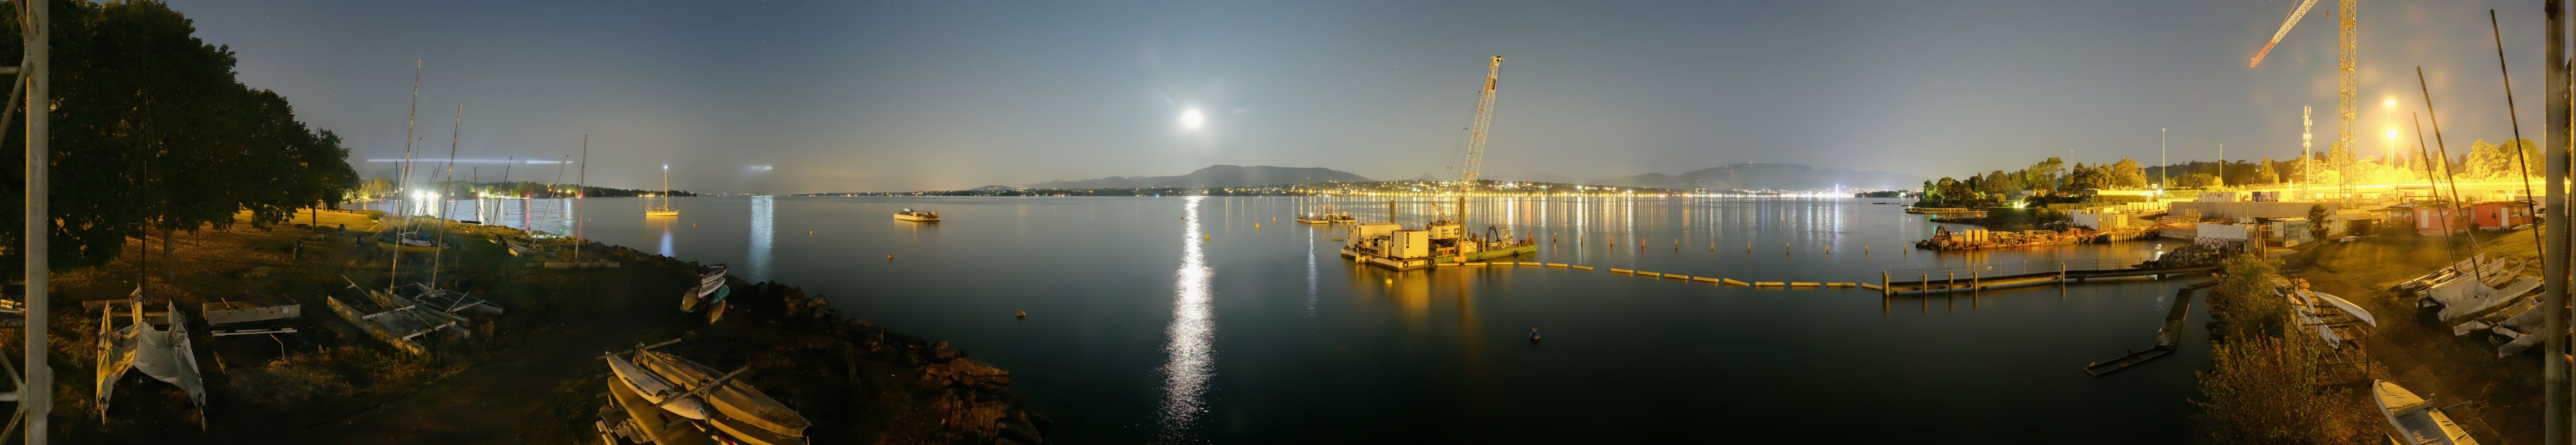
<point>1192,119</point>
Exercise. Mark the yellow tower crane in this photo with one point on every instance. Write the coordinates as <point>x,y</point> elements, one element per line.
<point>2344,108</point>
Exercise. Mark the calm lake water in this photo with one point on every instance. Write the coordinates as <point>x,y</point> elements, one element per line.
<point>1176,320</point>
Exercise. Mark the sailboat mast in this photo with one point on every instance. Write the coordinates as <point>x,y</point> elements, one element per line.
<point>402,179</point>
<point>436,255</point>
<point>580,187</point>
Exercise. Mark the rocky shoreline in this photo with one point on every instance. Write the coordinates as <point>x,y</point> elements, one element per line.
<point>859,381</point>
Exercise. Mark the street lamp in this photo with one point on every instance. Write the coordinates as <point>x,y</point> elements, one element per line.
<point>2390,106</point>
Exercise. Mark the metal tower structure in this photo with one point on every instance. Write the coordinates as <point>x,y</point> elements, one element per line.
<point>1448,226</point>
<point>2345,114</point>
<point>1475,163</point>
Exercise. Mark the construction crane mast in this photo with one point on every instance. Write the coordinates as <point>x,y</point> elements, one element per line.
<point>1475,163</point>
<point>2345,114</point>
<point>2295,15</point>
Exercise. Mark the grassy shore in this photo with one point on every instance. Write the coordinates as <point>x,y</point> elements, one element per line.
<point>531,376</point>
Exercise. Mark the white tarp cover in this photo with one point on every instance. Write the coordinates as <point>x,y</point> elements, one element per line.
<point>2527,321</point>
<point>2458,290</point>
<point>165,355</point>
<point>2481,303</point>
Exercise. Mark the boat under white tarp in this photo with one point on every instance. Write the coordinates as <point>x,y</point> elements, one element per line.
<point>167,356</point>
<point>2479,304</point>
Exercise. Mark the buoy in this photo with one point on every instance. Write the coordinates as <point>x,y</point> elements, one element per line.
<point>889,257</point>
<point>1021,314</point>
<point>1533,335</point>
<point>1390,281</point>
<point>809,233</point>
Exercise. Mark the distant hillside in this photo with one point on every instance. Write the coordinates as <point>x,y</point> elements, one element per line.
<point>992,188</point>
<point>1424,177</point>
<point>1215,176</point>
<point>1751,176</point>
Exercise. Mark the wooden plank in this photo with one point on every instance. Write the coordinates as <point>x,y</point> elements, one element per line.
<point>1841,284</point>
<point>1678,277</point>
<point>1805,284</point>
<point>1581,267</point>
<point>1555,264</point>
<point>1650,274</point>
<point>1871,286</point>
<point>1526,263</point>
<point>1769,284</point>
<point>1706,279</point>
<point>1619,270</point>
<point>1733,282</point>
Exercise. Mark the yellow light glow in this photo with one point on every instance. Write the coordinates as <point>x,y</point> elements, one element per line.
<point>2388,103</point>
<point>2392,134</point>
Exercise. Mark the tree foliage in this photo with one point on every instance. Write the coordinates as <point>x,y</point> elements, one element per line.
<point>2270,383</point>
<point>151,131</point>
<point>2127,175</point>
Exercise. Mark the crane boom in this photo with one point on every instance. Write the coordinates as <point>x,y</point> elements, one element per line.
<point>1476,136</point>
<point>2295,14</point>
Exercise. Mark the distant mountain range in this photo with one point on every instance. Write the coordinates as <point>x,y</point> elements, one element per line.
<point>1753,176</point>
<point>1215,176</point>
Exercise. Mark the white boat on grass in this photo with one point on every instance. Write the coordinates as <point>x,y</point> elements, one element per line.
<point>654,389</point>
<point>2416,419</point>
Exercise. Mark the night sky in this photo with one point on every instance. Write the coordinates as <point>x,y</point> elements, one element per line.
<point>836,96</point>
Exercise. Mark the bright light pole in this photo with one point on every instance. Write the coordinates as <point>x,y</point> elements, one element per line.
<point>2163,169</point>
<point>2390,106</point>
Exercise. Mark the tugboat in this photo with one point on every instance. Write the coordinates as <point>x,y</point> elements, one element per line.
<point>1497,242</point>
<point>909,215</point>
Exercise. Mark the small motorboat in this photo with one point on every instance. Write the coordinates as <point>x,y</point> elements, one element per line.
<point>2416,419</point>
<point>1533,335</point>
<point>710,289</point>
<point>909,215</point>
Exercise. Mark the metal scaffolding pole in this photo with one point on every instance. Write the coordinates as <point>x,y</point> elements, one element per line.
<point>2554,261</point>
<point>36,396</point>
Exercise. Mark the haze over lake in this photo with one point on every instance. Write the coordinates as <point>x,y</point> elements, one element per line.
<point>1173,319</point>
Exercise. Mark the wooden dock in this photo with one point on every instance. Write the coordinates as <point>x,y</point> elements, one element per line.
<point>1952,281</point>
<point>2167,337</point>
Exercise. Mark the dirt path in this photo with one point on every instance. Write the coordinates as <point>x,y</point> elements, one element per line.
<point>493,401</point>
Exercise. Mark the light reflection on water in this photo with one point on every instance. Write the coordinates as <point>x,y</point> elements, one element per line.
<point>1442,355</point>
<point>761,237</point>
<point>1191,351</point>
